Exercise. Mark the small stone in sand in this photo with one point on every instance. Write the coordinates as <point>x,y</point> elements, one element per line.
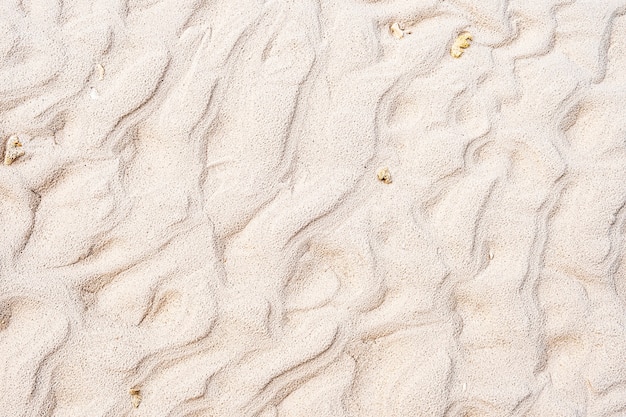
<point>462,42</point>
<point>13,150</point>
<point>384,175</point>
<point>135,396</point>
<point>397,31</point>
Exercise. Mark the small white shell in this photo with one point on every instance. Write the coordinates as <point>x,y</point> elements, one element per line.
<point>397,31</point>
<point>13,150</point>
<point>93,93</point>
<point>100,69</point>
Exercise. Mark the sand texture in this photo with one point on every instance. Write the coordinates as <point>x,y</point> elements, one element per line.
<point>313,208</point>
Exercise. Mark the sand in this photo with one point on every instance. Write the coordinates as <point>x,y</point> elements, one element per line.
<point>291,208</point>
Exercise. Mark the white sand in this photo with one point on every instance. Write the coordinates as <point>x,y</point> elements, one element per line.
<point>197,214</point>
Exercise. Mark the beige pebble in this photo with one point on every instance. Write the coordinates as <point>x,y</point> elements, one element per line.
<point>13,150</point>
<point>384,175</point>
<point>462,42</point>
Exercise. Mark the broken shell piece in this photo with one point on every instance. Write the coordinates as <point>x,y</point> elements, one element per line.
<point>490,254</point>
<point>464,40</point>
<point>100,72</point>
<point>397,31</point>
<point>13,150</point>
<point>384,175</point>
<point>461,42</point>
<point>135,396</point>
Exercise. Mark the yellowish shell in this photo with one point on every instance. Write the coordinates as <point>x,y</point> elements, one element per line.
<point>135,396</point>
<point>463,41</point>
<point>384,175</point>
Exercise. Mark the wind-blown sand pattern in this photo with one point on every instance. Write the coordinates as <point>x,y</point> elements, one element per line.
<point>196,227</point>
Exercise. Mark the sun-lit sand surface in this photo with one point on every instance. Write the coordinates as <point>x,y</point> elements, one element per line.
<point>301,208</point>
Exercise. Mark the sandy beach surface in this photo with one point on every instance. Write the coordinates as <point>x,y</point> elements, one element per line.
<point>312,208</point>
